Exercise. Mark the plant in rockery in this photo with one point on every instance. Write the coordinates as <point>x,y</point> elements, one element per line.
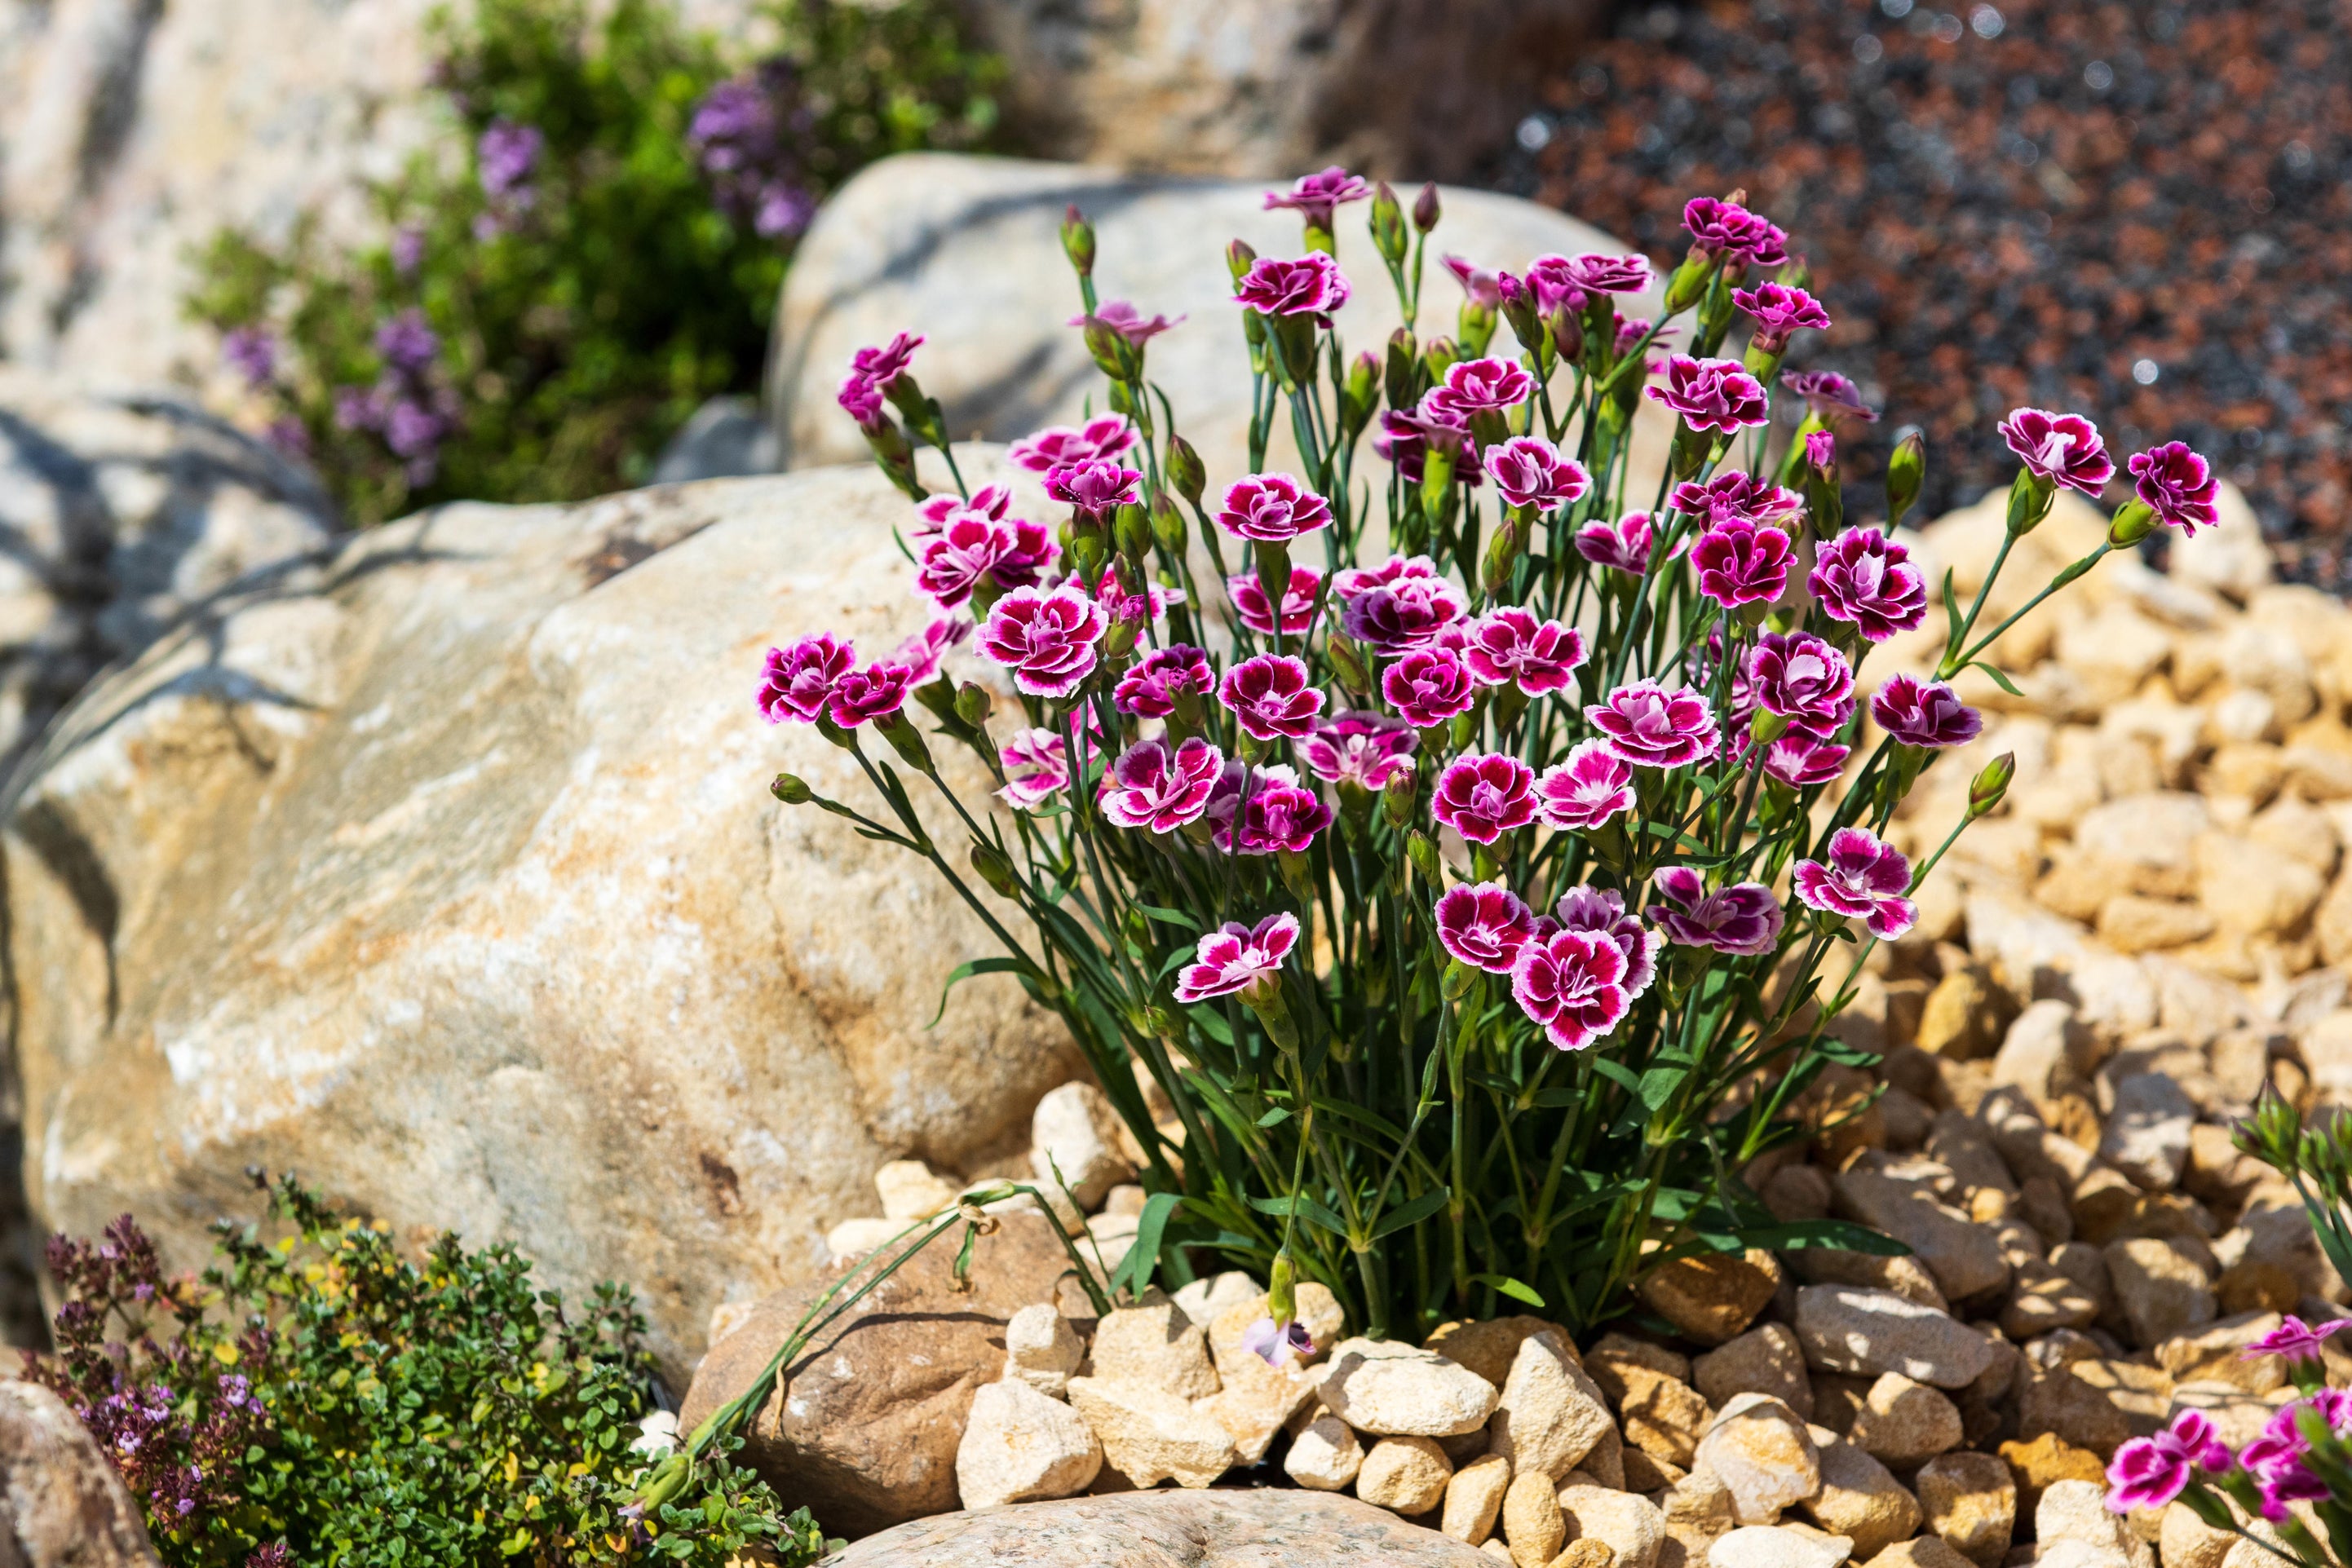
<point>1480,900</point>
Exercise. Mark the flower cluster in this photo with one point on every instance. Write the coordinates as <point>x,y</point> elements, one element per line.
<point>747,134</point>
<point>410,407</point>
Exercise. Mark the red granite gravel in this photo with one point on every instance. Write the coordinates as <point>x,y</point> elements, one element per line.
<point>2141,210</point>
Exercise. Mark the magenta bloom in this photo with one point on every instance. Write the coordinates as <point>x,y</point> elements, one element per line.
<point>1272,508</point>
<point>2294,1339</point>
<point>1315,195</point>
<point>1047,639</point>
<point>1572,983</point>
<point>1511,645</point>
<point>1105,436</point>
<point>1121,604</point>
<point>1409,612</point>
<point>1744,918</point>
<point>860,398</point>
<point>1271,696</point>
<point>1428,686</point>
<point>1280,814</point>
<point>1863,879</point>
<point>1298,602</point>
<point>1359,579</point>
<point>1126,321</point>
<point>800,679</point>
<point>1601,910</point>
<point>2149,1472</point>
<point>2277,1457</point>
<point>1036,767</point>
<point>2178,484</point>
<point>1591,272</point>
<point>1238,958</point>
<point>1821,450</point>
<point>876,691</point>
<point>1311,286</point>
<point>1483,287</point>
<point>988,504</point>
<point>1484,795</point>
<point>1362,748</point>
<point>1484,925</point>
<point>1779,310</point>
<point>2060,449</point>
<point>953,561</point>
<point>1151,686</point>
<point>1277,1344</point>
<point>885,365</point>
<point>1649,727</point>
<point>1529,472</point>
<point>1732,497</point>
<point>1153,786</point>
<point>1866,580</point>
<point>1802,760</point>
<point>1556,284</point>
<point>1623,544</point>
<point>1914,713</point>
<point>1826,392</point>
<point>1731,231</point>
<point>1484,386</point>
<point>1092,486</point>
<point>1804,679</point>
<point>922,652</point>
<point>1711,394</point>
<point>1580,794</point>
<point>1740,563</point>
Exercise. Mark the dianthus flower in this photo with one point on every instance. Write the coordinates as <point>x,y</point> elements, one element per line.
<point>1572,983</point>
<point>2294,1339</point>
<point>1009,553</point>
<point>1092,486</point>
<point>1732,497</point>
<point>1740,563</point>
<point>1601,910</point>
<point>1711,394</point>
<point>1316,195</point>
<point>885,365</point>
<point>2179,485</point>
<point>1356,579</point>
<point>1407,437</point>
<point>860,398</point>
<point>1780,309</point>
<point>1238,958</point>
<point>1624,544</point>
<point>1804,679</point>
<point>1826,392</point>
<point>1353,747</point>
<point>1105,436</point>
<point>1277,1344</point>
<point>876,691</point>
<point>1863,879</point>
<point>1151,684</point>
<point>1729,230</point>
<point>1298,602</point>
<point>1802,760</point>
<point>1632,329</point>
<point>1406,613</point>
<point>1428,686</point>
<point>1154,786</point>
<point>1121,602</point>
<point>1126,321</point>
<point>1483,386</point>
<point>1313,286</point>
<point>1510,644</point>
<point>1743,919</point>
<point>1484,925</point>
<point>1272,508</point>
<point>1580,794</point>
<point>1597,274</point>
<point>2060,449</point>
<point>1047,639</point>
<point>1271,695</point>
<point>1821,450</point>
<point>1528,471</point>
<point>799,680</point>
<point>1036,767</point>
<point>1278,815</point>
<point>1924,714</point>
<point>1649,727</point>
<point>1484,795</point>
<point>921,653</point>
<point>2149,1472</point>
<point>988,504</point>
<point>1483,287</point>
<point>1866,580</point>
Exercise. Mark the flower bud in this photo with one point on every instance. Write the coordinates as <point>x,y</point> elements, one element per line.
<point>1426,209</point>
<point>1398,795</point>
<point>1796,272</point>
<point>1906,470</point>
<point>1273,557</point>
<point>1298,874</point>
<point>905,740</point>
<point>972,703</point>
<point>1359,393</point>
<point>994,869</point>
<point>893,456</point>
<point>1990,784</point>
<point>1440,357</point>
<point>2030,498</point>
<point>1113,354</point>
<point>1503,556</point>
<point>1131,527</point>
<point>1689,281</point>
<point>1567,329</point>
<point>1185,470</point>
<point>1281,1286</point>
<point>940,697</point>
<point>1421,850</point>
<point>1079,241</point>
<point>1767,726</point>
<point>1388,226</point>
<point>2134,521</point>
<point>1457,980</point>
<point>1474,324</point>
<point>1519,310</point>
<point>1347,662</point>
<point>790,790</point>
<point>1239,259</point>
<point>1168,525</point>
<point>1402,378</point>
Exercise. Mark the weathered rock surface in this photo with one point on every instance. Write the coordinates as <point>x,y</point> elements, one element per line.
<point>1390,1389</point>
<point>1850,1330</point>
<point>61,1503</point>
<point>1761,1450</point>
<point>1019,1446</point>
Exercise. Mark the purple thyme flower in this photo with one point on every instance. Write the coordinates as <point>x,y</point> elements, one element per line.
<point>1528,471</point>
<point>1711,394</point>
<point>1743,919</point>
<point>2060,449</point>
<point>407,249</point>
<point>1925,715</point>
<point>1863,879</point>
<point>1314,196</point>
<point>2178,483</point>
<point>1804,679</point>
<point>1299,598</point>
<point>1866,580</point>
<point>1484,925</point>
<point>406,344</point>
<point>505,156</point>
<point>1649,727</point>
<point>1826,392</point>
<point>1585,791</point>
<point>1355,747</point>
<point>751,152</point>
<point>1740,563</point>
<point>252,352</point>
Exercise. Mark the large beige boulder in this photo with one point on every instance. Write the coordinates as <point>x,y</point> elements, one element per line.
<point>966,251</point>
<point>446,877</point>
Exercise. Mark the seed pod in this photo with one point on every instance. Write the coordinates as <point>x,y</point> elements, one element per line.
<point>1079,241</point>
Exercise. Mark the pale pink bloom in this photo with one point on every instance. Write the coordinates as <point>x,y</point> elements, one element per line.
<point>1105,436</point>
<point>1585,791</point>
<point>1277,1344</point>
<point>1036,767</point>
<point>1238,958</point>
<point>1649,726</point>
<point>1510,644</point>
<point>1126,321</point>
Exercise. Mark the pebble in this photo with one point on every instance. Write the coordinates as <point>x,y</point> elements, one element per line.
<point>1712,1297</point>
<point>1150,1434</point>
<point>1325,1457</point>
<point>2216,1352</point>
<point>2034,1466</point>
<point>1404,1475</point>
<point>1474,1498</point>
<point>856,1238</point>
<point>1921,1551</point>
<point>1903,1422</point>
<point>1552,1415</point>
<point>1964,1258</point>
<point>1022,1446</point>
<point>1843,1328</point>
<point>2096,1403</point>
<point>1766,1359</point>
<point>1488,1348</point>
<point>1658,1414</point>
<point>1770,1546</point>
<point>2077,1511</point>
<point>2148,1131</point>
<point>1532,1522</point>
<point>2047,1051</point>
<point>1041,1349</point>
<point>1586,1553</point>
<point>1075,1132</point>
<point>1763,1454</point>
<point>1630,1524</point>
<point>2185,1541</point>
<point>1859,1498</point>
<point>1388,1388</point>
<point>909,1190</point>
<point>2161,1287</point>
<point>1203,1300</point>
<point>1156,1345</point>
<point>1257,1401</point>
<point>1970,1504</point>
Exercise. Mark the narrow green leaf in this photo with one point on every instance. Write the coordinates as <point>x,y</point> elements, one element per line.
<point>2003,682</point>
<point>966,971</point>
<point>1135,1269</point>
<point>1509,1287</point>
<point>1412,1213</point>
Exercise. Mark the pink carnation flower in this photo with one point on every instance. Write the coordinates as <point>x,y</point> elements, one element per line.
<point>1359,580</point>
<point>1821,450</point>
<point>1592,273</point>
<point>1363,748</point>
<point>988,504</point>
<point>1740,563</point>
<point>1272,508</point>
<point>1484,795</point>
<point>1732,497</point>
<point>1866,580</point>
<point>1092,486</point>
<point>922,652</point>
<point>1311,286</point>
<point>1743,919</point>
<point>1585,791</point>
<point>1801,761</point>
<point>1153,786</point>
<point>1483,287</point>
<point>1923,714</point>
<point>876,691</point>
<point>1409,612</point>
<point>1529,472</point>
<point>1572,983</point>
<point>1238,958</point>
<point>1279,814</point>
<point>1105,436</point>
<point>1729,230</point>
<point>2178,483</point>
<point>1484,925</point>
<point>1779,310</point>
<point>1601,910</point>
<point>1316,195</point>
<point>952,562</point>
<point>1826,392</point>
<point>2060,449</point>
<point>2149,1472</point>
<point>1804,679</point>
<point>1047,639</point>
<point>1151,686</point>
<point>1711,394</point>
<point>799,680</point>
<point>885,365</point>
<point>1036,767</point>
<point>1298,602</point>
<point>1863,879</point>
<point>2276,1459</point>
<point>1126,321</point>
<point>860,398</point>
<point>1428,686</point>
<point>1649,726</point>
<point>1271,695</point>
<point>1511,645</point>
<point>2294,1339</point>
<point>1624,544</point>
<point>1484,386</point>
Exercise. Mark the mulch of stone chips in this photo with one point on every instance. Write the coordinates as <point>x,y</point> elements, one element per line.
<point>2141,210</point>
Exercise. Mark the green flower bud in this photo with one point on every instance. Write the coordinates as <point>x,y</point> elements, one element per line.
<point>1421,850</point>
<point>1399,795</point>
<point>790,790</point>
<point>2030,498</point>
<point>972,703</point>
<point>1567,329</point>
<point>1689,282</point>
<point>1403,376</point>
<point>1348,661</point>
<point>994,870</point>
<point>1457,980</point>
<point>1442,355</point>
<point>905,740</point>
<point>1079,241</point>
<point>1425,210</point>
<point>1281,1286</point>
<point>1239,259</point>
<point>2134,521</point>
<point>1388,226</point>
<point>1906,470</point>
<point>1798,273</point>
<point>1476,324</point>
<point>1168,525</point>
<point>1185,470</point>
<point>1990,784</point>
<point>1113,354</point>
<point>1131,527</point>
<point>1359,393</point>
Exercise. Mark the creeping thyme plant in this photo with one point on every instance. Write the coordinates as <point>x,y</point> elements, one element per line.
<point>318,1399</point>
<point>1466,853</point>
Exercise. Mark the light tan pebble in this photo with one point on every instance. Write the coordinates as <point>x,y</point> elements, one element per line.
<point>1586,1552</point>
<point>1766,1359</point>
<point>1150,1434</point>
<point>1020,1446</point>
<point>1763,1454</point>
<point>1474,1498</point>
<point>910,1190</point>
<point>1532,1521</point>
<point>1154,1344</point>
<point>1778,1546</point>
<point>1203,1300</point>
<point>1404,1475</point>
<point>1970,1503</point>
<point>1041,1349</point>
<point>1906,1422</point>
<point>1550,1415</point>
<point>1631,1525</point>
<point>1388,1388</point>
<point>1326,1456</point>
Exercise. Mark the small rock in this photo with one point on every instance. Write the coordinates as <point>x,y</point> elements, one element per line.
<point>1647,1473</point>
<point>2043,1299</point>
<point>1766,1359</point>
<point>1712,1297</point>
<point>1532,1522</point>
<point>1797,1192</point>
<point>1964,1258</point>
<point>2047,1051</point>
<point>1971,1503</point>
<point>1020,1446</point>
<point>1700,1501</point>
<point>1613,1353</point>
<point>2217,1353</point>
<point>1903,1422</point>
<point>66,1505</point>
<point>2096,1403</point>
<point>1860,1498</point>
<point>1404,1475</point>
<point>2131,924</point>
<point>1957,1141</point>
<point>1551,1415</point>
<point>1631,1525</point>
<point>1925,1552</point>
<point>910,1191</point>
<point>2146,1134</point>
<point>1156,1345</point>
<point>1964,1016</point>
<point>1585,1554</point>
<point>1257,1402</point>
<point>2185,1541</point>
<point>2077,1511</point>
<point>1041,1349</point>
<point>1325,1457</point>
<point>2034,1466</point>
<point>1905,1277</point>
<point>1770,1546</point>
<point>1474,1498</point>
<point>1488,1348</point>
<point>1204,1300</point>
<point>2160,1286</point>
<point>1389,1388</point>
<point>1660,1414</point>
<point>1845,1329</point>
<point>1150,1434</point>
<point>1075,1132</point>
<point>1761,1451</point>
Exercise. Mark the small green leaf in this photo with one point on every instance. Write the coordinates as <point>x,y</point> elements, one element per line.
<point>1509,1287</point>
<point>2003,682</point>
<point>966,971</point>
<point>1412,1213</point>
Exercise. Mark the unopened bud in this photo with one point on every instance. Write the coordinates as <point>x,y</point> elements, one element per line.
<point>1440,357</point>
<point>972,703</point>
<point>1281,1285</point>
<point>1397,796</point>
<point>1348,660</point>
<point>1388,226</point>
<point>1079,241</point>
<point>1359,392</point>
<point>905,740</point>
<point>1457,980</point>
<point>1402,378</point>
<point>1567,329</point>
<point>1796,272</point>
<point>1239,259</point>
<point>1425,210</point>
<point>1907,471</point>
<point>1185,470</point>
<point>994,870</point>
<point>2135,521</point>
<point>1767,726</point>
<point>1113,354</point>
<point>1421,850</point>
<point>1131,529</point>
<point>1689,281</point>
<point>1991,782</point>
<point>2029,498</point>
<point>1168,525</point>
<point>790,790</point>
<point>1519,310</point>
